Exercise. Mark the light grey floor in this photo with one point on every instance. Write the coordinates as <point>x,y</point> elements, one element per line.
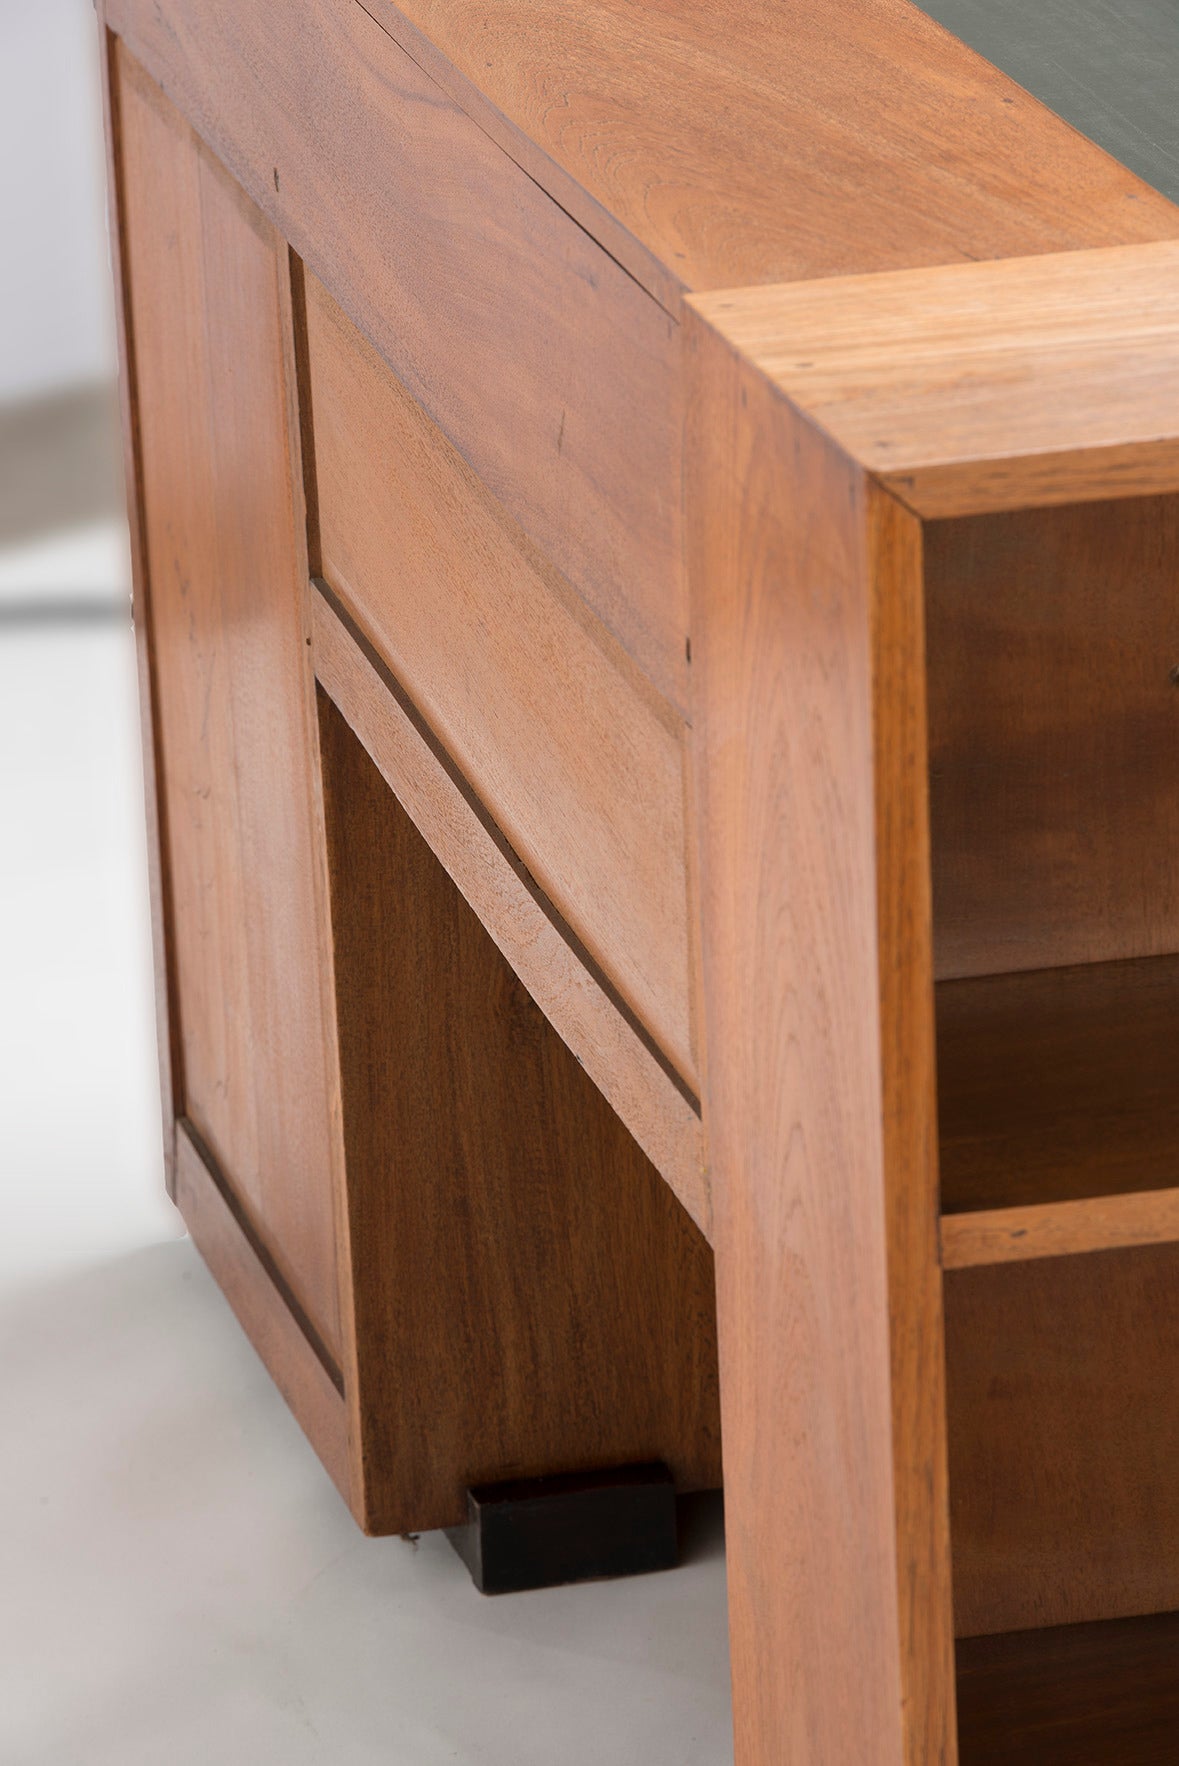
<point>180,1582</point>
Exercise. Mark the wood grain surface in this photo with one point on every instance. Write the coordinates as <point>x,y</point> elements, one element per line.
<point>1053,715</point>
<point>560,736</point>
<point>529,1295</point>
<point>760,141</point>
<point>538,944</point>
<point>818,1085</point>
<point>1064,1437</point>
<point>553,373</point>
<point>204,275</point>
<point>1033,381</point>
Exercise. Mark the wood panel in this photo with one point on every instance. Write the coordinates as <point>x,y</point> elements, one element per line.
<point>1079,1695</point>
<point>1052,638</point>
<point>579,761</point>
<point>542,360</point>
<point>1064,1438</point>
<point>806,594</point>
<point>1059,1084</point>
<point>303,1373</point>
<point>976,387</point>
<point>530,1296</point>
<point>205,279</point>
<point>749,141</point>
<point>536,942</point>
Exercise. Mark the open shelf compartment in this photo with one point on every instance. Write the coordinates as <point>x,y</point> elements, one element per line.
<point>1052,636</point>
<point>1052,640</point>
<point>1058,1109</point>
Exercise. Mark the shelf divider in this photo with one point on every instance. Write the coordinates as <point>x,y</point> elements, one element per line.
<point>1060,1229</point>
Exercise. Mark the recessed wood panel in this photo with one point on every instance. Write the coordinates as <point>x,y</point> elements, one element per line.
<point>1064,1439</point>
<point>548,366</point>
<point>227,581</point>
<point>578,760</point>
<point>1052,635</point>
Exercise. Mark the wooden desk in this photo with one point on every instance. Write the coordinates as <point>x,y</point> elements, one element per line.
<point>655,544</point>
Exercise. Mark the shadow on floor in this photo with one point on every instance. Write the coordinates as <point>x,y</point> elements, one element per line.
<point>182,1581</point>
<point>59,462</point>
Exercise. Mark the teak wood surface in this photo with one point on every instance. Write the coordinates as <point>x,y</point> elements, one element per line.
<point>655,531</point>
<point>513,673</point>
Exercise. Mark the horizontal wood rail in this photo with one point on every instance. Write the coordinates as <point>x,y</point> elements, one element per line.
<point>1059,1229</point>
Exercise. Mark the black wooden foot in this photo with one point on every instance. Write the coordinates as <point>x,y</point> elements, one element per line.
<point>575,1527</point>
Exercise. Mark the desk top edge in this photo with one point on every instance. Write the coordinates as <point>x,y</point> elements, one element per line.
<point>967,387</point>
<point>734,143</point>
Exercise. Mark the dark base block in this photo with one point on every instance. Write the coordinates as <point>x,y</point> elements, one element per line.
<point>576,1527</point>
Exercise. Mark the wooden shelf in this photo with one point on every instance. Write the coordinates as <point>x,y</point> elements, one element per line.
<point>1058,1108</point>
<point>1080,1695</point>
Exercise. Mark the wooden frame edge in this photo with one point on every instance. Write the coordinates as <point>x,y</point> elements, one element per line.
<point>299,1368</point>
<point>305,508</point>
<point>159,894</point>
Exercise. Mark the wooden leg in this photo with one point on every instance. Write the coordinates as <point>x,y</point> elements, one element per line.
<point>528,1295</point>
<point>819,1109</point>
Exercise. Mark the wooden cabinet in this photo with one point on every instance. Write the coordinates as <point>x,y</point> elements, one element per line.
<point>655,538</point>
<point>454,1256</point>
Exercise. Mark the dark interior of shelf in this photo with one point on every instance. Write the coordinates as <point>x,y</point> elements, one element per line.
<point>1082,1695</point>
<point>1058,1084</point>
<point>1109,67</point>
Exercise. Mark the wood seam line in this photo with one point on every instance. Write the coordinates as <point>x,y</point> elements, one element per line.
<point>546,190</point>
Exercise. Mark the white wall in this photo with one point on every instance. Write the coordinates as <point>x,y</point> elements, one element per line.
<point>56,327</point>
